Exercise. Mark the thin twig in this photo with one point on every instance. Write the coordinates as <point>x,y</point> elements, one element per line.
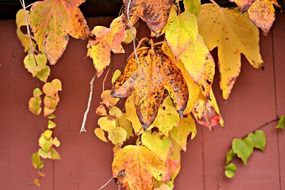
<point>107,183</point>
<point>28,23</point>
<point>132,30</point>
<point>83,129</point>
<point>105,78</point>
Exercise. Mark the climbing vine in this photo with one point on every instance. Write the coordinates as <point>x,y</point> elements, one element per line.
<point>166,85</point>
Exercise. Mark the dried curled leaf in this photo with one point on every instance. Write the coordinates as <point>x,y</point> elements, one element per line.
<point>154,13</point>
<point>221,27</point>
<point>52,21</point>
<point>139,165</point>
<point>148,81</point>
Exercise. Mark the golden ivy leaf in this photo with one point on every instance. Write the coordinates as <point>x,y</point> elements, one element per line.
<point>124,123</point>
<point>51,124</point>
<point>52,21</point>
<point>115,112</point>
<point>181,132</point>
<point>107,99</point>
<point>51,99</point>
<point>100,133</point>
<point>206,111</point>
<point>139,166</point>
<point>37,182</point>
<point>55,142</point>
<point>37,66</point>
<point>107,40</point>
<point>221,27</point>
<point>148,81</point>
<point>101,110</point>
<point>154,13</point>
<point>157,144</point>
<point>167,117</point>
<point>262,13</point>
<point>116,134</point>
<point>22,22</point>
<point>55,155</point>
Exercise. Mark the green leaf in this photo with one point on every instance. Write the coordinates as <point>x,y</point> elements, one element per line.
<point>257,139</point>
<point>230,156</point>
<point>36,161</point>
<point>35,105</point>
<point>193,6</point>
<point>55,155</point>
<point>115,76</point>
<point>159,145</point>
<point>167,117</point>
<point>37,92</point>
<point>281,123</point>
<point>51,124</point>
<point>242,149</point>
<point>230,170</point>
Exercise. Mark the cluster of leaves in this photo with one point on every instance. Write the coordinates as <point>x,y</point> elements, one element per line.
<point>243,149</point>
<point>167,85</point>
<point>44,32</point>
<point>47,142</point>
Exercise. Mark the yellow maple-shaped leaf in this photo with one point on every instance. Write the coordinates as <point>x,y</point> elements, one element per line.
<point>262,13</point>
<point>154,13</point>
<point>234,34</point>
<point>107,40</point>
<point>180,31</point>
<point>180,133</point>
<point>139,165</point>
<point>52,21</point>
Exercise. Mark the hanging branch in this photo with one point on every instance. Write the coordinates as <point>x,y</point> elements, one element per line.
<point>83,129</point>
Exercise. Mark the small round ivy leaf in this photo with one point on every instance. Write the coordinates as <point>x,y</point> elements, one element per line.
<point>242,149</point>
<point>230,155</point>
<point>230,170</point>
<point>281,123</point>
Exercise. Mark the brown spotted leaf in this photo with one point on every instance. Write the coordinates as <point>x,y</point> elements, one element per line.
<point>154,13</point>
<point>148,81</point>
<point>52,21</point>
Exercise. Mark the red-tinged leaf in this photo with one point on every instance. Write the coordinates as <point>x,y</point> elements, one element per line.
<point>52,21</point>
<point>206,112</point>
<point>107,40</point>
<point>154,13</point>
<point>148,81</point>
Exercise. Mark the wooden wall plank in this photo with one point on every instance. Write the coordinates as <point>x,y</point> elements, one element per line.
<point>279,57</point>
<point>19,129</point>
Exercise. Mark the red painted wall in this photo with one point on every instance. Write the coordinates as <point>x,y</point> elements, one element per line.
<point>257,97</point>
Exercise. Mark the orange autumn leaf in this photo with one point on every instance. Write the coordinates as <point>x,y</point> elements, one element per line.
<point>107,40</point>
<point>147,80</point>
<point>52,21</point>
<point>154,13</point>
<point>139,166</point>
